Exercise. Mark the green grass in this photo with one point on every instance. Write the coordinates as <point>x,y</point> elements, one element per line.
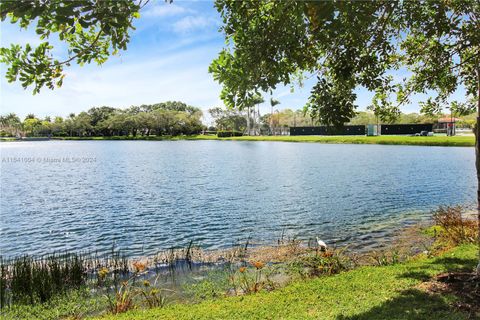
<point>456,141</point>
<point>392,140</point>
<point>72,305</point>
<point>5,139</point>
<point>389,292</point>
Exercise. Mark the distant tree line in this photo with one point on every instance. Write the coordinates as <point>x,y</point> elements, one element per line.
<point>281,120</point>
<point>228,119</point>
<point>177,118</point>
<point>166,118</point>
<point>369,117</point>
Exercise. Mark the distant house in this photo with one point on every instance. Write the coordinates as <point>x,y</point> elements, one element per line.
<point>446,125</point>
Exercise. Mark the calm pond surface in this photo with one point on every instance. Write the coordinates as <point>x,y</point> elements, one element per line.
<point>150,195</point>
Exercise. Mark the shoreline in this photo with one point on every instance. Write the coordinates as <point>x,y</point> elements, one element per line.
<point>282,250</point>
<point>442,141</point>
<point>248,275</point>
<point>366,292</point>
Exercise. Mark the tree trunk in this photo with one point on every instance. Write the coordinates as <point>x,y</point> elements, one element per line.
<point>248,121</point>
<point>256,113</point>
<point>477,163</point>
<point>271,122</point>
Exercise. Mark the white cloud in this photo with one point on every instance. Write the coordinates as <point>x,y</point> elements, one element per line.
<point>182,75</point>
<point>172,70</point>
<point>163,9</point>
<point>191,23</point>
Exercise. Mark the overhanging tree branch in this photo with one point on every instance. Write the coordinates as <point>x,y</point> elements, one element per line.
<point>429,78</point>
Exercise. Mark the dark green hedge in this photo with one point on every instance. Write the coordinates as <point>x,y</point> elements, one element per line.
<point>225,134</point>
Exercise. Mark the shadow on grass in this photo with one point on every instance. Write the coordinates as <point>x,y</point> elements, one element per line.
<point>447,264</point>
<point>456,264</point>
<point>418,304</point>
<point>417,275</point>
<point>411,304</point>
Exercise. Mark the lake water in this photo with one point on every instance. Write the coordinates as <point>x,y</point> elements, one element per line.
<point>150,195</point>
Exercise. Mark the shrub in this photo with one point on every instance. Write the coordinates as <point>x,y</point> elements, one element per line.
<point>326,263</point>
<point>226,134</point>
<point>454,227</point>
<point>208,132</point>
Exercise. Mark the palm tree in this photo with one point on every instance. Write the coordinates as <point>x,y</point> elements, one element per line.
<point>13,122</point>
<point>273,103</point>
<point>257,100</point>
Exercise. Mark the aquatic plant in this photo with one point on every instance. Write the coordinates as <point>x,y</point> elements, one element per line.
<point>250,280</point>
<point>188,254</point>
<point>3,284</point>
<point>385,257</point>
<point>102,274</point>
<point>122,300</point>
<point>153,296</point>
<point>27,281</point>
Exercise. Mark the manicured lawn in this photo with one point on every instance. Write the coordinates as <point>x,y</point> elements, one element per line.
<point>458,141</point>
<point>395,140</point>
<point>389,292</point>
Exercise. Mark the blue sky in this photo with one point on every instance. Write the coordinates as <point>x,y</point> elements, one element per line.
<point>167,59</point>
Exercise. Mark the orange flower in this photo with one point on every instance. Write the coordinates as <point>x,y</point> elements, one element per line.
<point>139,266</point>
<point>258,264</point>
<point>242,269</point>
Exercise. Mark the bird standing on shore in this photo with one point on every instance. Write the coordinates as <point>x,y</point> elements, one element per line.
<point>322,246</point>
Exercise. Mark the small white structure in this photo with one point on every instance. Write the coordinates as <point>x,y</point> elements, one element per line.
<point>372,130</point>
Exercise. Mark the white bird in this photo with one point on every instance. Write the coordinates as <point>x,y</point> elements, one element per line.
<point>321,245</point>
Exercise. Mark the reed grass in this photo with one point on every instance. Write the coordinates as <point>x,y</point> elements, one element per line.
<point>26,280</point>
<point>3,284</point>
<point>29,280</point>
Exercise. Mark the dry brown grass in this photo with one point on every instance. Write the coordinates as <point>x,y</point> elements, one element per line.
<point>456,225</point>
<point>282,252</point>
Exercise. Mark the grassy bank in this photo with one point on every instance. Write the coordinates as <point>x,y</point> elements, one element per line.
<point>389,292</point>
<point>464,141</point>
<point>456,141</point>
